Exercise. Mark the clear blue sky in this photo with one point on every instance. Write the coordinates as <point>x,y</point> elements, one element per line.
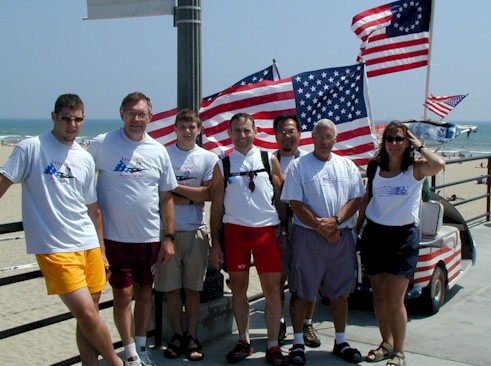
<point>46,49</point>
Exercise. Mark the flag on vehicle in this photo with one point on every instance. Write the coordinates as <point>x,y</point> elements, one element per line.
<point>395,37</point>
<point>339,94</point>
<point>442,105</point>
<point>161,127</point>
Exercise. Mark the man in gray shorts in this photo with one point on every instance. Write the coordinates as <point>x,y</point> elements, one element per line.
<point>287,129</point>
<point>324,191</point>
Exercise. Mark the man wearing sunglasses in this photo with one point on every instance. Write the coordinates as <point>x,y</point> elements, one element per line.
<point>324,191</point>
<point>287,131</point>
<point>246,207</point>
<point>62,222</point>
<point>134,188</point>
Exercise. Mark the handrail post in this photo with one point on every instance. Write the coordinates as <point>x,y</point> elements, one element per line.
<point>158,298</point>
<point>488,187</point>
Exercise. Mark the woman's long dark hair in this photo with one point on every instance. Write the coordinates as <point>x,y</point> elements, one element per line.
<point>383,156</point>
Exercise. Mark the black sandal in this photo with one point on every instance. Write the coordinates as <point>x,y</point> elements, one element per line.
<point>173,350</point>
<point>347,353</point>
<point>297,355</point>
<point>197,349</point>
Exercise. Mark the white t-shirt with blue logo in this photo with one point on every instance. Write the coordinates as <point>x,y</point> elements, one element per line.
<point>191,168</point>
<point>58,182</point>
<point>131,176</point>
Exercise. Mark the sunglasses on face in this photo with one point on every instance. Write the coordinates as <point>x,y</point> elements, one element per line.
<point>69,119</point>
<point>398,139</point>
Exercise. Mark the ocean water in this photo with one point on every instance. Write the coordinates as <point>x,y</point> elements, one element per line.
<point>13,130</point>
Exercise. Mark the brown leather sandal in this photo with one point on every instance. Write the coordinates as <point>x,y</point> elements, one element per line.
<point>383,352</point>
<point>398,359</point>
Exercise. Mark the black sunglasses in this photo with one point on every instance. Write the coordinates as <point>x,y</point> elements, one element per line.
<point>69,119</point>
<point>252,185</point>
<point>397,139</point>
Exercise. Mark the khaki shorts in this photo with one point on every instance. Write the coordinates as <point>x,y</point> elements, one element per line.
<point>67,272</point>
<point>187,269</point>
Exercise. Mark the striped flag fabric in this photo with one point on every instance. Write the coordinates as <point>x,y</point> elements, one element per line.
<point>161,127</point>
<point>395,37</point>
<point>442,105</point>
<point>339,94</point>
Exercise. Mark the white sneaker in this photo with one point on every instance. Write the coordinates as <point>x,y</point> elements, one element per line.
<point>134,363</point>
<point>145,357</point>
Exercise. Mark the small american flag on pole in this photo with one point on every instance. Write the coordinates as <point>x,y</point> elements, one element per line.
<point>339,94</point>
<point>395,36</point>
<point>442,105</point>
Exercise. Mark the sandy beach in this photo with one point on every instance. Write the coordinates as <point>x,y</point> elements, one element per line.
<point>27,301</point>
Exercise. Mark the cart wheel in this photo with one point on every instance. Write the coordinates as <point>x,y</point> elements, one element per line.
<point>434,295</point>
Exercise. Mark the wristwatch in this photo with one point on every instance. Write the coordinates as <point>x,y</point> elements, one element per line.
<point>170,236</point>
<point>338,219</point>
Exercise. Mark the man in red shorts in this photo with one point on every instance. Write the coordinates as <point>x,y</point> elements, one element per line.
<point>134,188</point>
<point>246,207</point>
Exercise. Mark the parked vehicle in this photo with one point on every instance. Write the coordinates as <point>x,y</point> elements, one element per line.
<point>447,252</point>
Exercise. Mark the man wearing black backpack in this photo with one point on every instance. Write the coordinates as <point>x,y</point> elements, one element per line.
<point>245,202</point>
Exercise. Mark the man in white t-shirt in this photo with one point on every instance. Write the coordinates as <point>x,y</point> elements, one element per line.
<point>134,187</point>
<point>324,191</point>
<point>287,130</point>
<point>246,207</point>
<point>62,222</point>
<point>193,168</point>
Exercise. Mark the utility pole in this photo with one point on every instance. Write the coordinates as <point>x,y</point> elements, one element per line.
<point>187,19</point>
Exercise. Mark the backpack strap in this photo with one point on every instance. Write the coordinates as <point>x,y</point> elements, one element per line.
<point>266,165</point>
<point>278,155</point>
<point>371,170</point>
<point>226,170</point>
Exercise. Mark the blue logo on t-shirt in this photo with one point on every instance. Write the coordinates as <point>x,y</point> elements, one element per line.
<point>184,176</point>
<point>122,167</point>
<point>51,170</point>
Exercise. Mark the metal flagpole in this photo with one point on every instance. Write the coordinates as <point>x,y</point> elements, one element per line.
<point>428,67</point>
<point>187,19</point>
<point>276,72</point>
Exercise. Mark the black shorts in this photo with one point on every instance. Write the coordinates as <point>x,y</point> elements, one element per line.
<point>391,249</point>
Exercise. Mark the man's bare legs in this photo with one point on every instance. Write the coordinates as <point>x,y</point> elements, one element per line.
<point>270,284</point>
<point>143,309</point>
<point>93,336</point>
<point>123,315</point>
<point>240,304</point>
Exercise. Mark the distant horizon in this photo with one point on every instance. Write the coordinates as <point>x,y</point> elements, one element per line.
<point>119,119</point>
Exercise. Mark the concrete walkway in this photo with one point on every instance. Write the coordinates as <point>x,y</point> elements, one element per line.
<point>459,334</point>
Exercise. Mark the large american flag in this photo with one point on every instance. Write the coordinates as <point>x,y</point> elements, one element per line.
<point>442,105</point>
<point>339,94</point>
<point>161,127</point>
<point>395,36</point>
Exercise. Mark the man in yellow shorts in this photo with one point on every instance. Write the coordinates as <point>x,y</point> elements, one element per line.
<point>62,222</point>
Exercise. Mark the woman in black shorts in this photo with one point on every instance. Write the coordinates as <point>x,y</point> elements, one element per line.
<point>390,241</point>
